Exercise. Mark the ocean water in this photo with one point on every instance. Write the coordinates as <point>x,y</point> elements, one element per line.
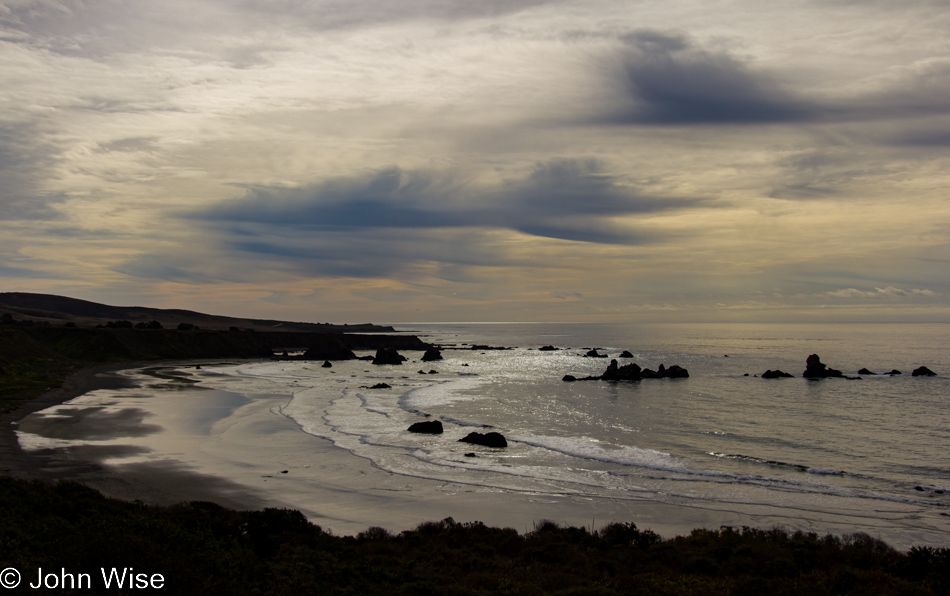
<point>828,455</point>
<point>790,448</point>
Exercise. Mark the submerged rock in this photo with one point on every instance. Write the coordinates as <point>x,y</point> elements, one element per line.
<point>491,439</point>
<point>430,427</point>
<point>815,369</point>
<point>775,374</point>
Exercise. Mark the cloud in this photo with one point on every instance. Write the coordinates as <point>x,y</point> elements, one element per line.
<point>669,81</point>
<point>396,220</point>
<point>565,199</point>
<point>888,292</point>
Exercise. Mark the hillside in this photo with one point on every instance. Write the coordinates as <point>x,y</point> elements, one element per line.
<point>59,310</point>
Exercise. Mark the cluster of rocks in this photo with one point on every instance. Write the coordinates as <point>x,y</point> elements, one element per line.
<point>816,369</point>
<point>632,372</point>
<point>489,439</point>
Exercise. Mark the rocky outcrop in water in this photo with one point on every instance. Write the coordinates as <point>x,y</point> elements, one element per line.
<point>775,374</point>
<point>626,354</point>
<point>632,372</point>
<point>547,349</point>
<point>627,372</point>
<point>673,372</point>
<point>491,439</point>
<point>815,369</point>
<point>431,355</point>
<point>429,427</point>
<point>326,364</point>
<point>923,371</point>
<point>388,356</point>
<point>594,354</point>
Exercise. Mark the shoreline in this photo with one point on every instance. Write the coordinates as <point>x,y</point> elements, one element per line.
<point>243,467</point>
<point>154,484</point>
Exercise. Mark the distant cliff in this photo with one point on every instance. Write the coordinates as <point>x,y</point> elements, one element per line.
<point>59,310</point>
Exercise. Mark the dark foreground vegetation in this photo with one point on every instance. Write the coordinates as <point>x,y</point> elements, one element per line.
<point>201,548</point>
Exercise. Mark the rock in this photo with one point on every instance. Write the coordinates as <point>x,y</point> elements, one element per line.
<point>923,371</point>
<point>594,354</point>
<point>569,378</point>
<point>895,372</point>
<point>814,369</point>
<point>431,355</point>
<point>433,372</point>
<point>470,454</point>
<point>547,349</point>
<point>865,371</point>
<point>486,347</point>
<point>627,372</point>
<point>626,354</point>
<point>775,374</point>
<point>431,427</point>
<point>491,439</point>
<point>388,356</point>
<point>326,364</point>
<point>377,386</point>
<point>676,372</point>
<point>673,372</point>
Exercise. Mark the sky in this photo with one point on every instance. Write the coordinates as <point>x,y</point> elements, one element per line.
<point>463,160</point>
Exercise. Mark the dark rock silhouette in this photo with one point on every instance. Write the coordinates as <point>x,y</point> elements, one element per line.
<point>865,371</point>
<point>491,439</point>
<point>815,369</point>
<point>388,356</point>
<point>923,371</point>
<point>431,355</point>
<point>547,349</point>
<point>673,372</point>
<point>594,354</point>
<point>326,364</point>
<point>627,372</point>
<point>775,374</point>
<point>431,427</point>
<point>632,372</point>
<point>895,372</point>
<point>626,354</point>
<point>377,386</point>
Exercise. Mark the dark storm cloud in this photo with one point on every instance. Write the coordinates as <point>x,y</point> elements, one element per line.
<point>393,220</point>
<point>561,199</point>
<point>669,81</point>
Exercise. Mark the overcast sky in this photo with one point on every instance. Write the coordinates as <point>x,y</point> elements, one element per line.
<point>463,160</point>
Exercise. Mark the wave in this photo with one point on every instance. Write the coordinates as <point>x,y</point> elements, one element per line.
<point>779,464</point>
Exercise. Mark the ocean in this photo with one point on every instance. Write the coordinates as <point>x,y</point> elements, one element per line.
<point>834,455</point>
